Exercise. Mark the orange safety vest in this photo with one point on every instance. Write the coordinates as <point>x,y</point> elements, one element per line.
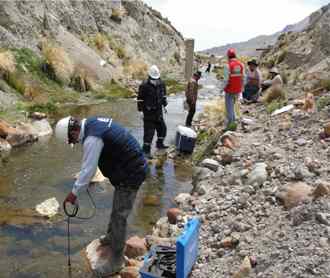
<point>235,81</point>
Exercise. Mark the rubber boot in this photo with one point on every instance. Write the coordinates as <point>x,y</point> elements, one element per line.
<point>160,145</point>
<point>147,151</point>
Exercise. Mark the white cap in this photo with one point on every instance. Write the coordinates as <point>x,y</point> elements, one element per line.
<point>62,129</point>
<point>154,72</point>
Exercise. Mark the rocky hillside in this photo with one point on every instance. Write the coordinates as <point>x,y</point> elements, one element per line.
<point>248,48</point>
<point>53,50</point>
<point>305,56</point>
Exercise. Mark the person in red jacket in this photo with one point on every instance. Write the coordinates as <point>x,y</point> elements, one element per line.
<point>233,86</point>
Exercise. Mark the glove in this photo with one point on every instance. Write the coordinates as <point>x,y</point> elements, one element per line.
<point>71,198</point>
<point>141,115</point>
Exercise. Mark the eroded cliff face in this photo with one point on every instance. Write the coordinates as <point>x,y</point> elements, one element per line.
<point>304,52</point>
<point>102,39</point>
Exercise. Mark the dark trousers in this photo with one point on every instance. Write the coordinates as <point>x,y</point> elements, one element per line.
<point>149,130</point>
<point>191,113</point>
<point>123,202</point>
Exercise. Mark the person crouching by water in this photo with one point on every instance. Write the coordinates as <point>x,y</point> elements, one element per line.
<point>109,146</point>
<point>150,101</point>
<point>191,97</point>
<point>252,82</point>
<point>233,87</point>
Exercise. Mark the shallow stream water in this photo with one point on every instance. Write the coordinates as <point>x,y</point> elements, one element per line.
<point>46,169</point>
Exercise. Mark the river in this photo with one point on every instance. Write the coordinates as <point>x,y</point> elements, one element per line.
<point>43,170</point>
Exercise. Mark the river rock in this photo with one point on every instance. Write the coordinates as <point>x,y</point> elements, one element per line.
<point>37,115</point>
<point>210,164</point>
<point>42,128</point>
<point>258,175</point>
<point>295,193</point>
<point>182,198</point>
<point>201,173</point>
<point>5,148</point>
<point>172,215</point>
<point>98,257</point>
<point>135,247</point>
<point>130,272</point>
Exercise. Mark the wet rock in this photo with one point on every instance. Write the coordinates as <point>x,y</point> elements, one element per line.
<point>294,194</point>
<point>98,257</point>
<point>5,148</point>
<point>130,272</point>
<point>172,215</point>
<point>135,247</point>
<point>210,164</point>
<point>258,174</point>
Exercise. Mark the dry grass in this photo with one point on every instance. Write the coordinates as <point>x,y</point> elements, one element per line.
<point>7,62</point>
<point>274,93</point>
<point>215,111</point>
<point>137,69</point>
<point>101,41</point>
<point>60,63</point>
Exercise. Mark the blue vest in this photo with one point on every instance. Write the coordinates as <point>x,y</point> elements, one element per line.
<point>121,160</point>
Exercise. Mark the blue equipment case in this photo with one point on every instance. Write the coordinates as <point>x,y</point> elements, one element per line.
<point>185,139</point>
<point>187,245</point>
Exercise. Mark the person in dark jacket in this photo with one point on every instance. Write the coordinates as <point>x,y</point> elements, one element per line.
<point>208,69</point>
<point>150,101</point>
<point>109,146</point>
<point>191,97</point>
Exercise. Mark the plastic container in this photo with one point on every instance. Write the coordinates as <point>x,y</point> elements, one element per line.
<point>187,245</point>
<point>185,139</point>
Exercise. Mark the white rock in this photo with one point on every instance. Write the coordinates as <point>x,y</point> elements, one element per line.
<point>49,207</point>
<point>258,174</point>
<point>41,128</point>
<point>210,164</point>
<point>182,198</point>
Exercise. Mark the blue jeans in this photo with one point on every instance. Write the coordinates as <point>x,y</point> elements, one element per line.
<point>230,100</point>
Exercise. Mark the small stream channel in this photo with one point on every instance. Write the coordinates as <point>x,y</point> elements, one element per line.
<point>46,169</point>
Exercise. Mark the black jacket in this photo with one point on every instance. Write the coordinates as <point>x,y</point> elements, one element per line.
<point>152,97</point>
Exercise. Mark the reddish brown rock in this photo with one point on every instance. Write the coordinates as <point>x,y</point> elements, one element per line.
<point>322,189</point>
<point>327,129</point>
<point>135,247</point>
<point>296,193</point>
<point>172,215</point>
<point>229,242</point>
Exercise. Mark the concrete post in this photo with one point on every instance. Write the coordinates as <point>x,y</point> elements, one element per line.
<point>189,44</point>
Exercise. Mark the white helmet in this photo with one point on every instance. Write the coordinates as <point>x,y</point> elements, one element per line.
<point>154,72</point>
<point>274,70</point>
<point>62,129</point>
